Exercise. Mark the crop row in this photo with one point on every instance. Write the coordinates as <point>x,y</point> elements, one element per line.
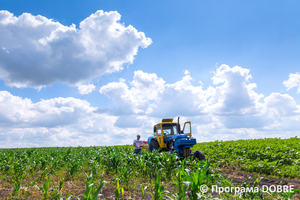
<point>86,172</point>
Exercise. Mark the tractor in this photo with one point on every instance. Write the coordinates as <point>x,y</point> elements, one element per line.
<point>167,136</point>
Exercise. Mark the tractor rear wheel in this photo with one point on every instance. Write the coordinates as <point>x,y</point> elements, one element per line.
<point>199,155</point>
<point>153,145</point>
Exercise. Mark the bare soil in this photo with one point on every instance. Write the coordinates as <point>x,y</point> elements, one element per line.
<point>240,176</point>
<point>108,193</point>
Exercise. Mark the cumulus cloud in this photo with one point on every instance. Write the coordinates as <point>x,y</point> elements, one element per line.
<point>134,100</point>
<point>229,109</point>
<point>234,101</point>
<point>231,105</point>
<point>45,113</point>
<point>186,72</point>
<point>293,81</point>
<point>130,121</point>
<point>286,112</point>
<point>146,85</point>
<point>180,98</point>
<point>86,89</point>
<point>283,104</point>
<point>235,95</point>
<point>36,51</point>
<point>53,122</point>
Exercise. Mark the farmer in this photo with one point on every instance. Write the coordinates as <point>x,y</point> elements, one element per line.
<point>137,145</point>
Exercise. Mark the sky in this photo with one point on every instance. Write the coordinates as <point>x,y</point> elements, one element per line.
<point>85,73</point>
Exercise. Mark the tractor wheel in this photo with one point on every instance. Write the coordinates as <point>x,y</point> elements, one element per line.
<point>170,145</point>
<point>153,145</point>
<point>199,155</point>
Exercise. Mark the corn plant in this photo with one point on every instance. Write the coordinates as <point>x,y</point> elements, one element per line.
<point>159,190</point>
<point>58,194</point>
<point>45,189</point>
<point>143,190</point>
<point>119,192</point>
<point>126,174</point>
<point>17,185</point>
<point>196,179</point>
<point>181,185</point>
<point>114,162</point>
<point>91,193</point>
<point>170,164</point>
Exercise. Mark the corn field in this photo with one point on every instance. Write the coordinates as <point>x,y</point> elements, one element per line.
<point>112,173</point>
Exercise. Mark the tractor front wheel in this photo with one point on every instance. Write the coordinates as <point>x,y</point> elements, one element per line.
<point>153,145</point>
<point>199,155</point>
<point>170,145</point>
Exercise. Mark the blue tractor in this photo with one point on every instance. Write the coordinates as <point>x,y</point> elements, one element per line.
<point>167,136</point>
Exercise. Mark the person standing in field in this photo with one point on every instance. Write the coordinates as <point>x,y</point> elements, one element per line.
<point>137,145</point>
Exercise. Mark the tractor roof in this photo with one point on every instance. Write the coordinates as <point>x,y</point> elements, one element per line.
<point>167,120</point>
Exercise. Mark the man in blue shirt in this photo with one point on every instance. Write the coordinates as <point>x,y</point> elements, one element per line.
<point>137,145</point>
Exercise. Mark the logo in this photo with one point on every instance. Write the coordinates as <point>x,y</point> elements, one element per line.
<point>203,188</point>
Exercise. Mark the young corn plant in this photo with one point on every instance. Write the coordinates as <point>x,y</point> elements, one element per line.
<point>126,173</point>
<point>119,192</point>
<point>159,190</point>
<point>91,193</point>
<point>196,179</point>
<point>95,168</point>
<point>143,190</point>
<point>170,164</point>
<point>74,169</point>
<point>182,187</point>
<point>45,189</point>
<point>17,185</point>
<point>114,162</point>
<point>58,194</point>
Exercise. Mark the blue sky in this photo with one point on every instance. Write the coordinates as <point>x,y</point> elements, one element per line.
<point>99,72</point>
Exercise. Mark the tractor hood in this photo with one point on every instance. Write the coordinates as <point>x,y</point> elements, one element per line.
<point>182,141</point>
<point>180,136</point>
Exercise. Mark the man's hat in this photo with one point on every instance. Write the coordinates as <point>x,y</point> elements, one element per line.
<point>139,135</point>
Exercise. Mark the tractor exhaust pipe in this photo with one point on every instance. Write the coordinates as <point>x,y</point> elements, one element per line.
<point>179,130</point>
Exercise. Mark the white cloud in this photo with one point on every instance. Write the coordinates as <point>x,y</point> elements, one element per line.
<point>126,100</point>
<point>146,86</point>
<point>293,81</point>
<point>181,99</point>
<point>229,110</point>
<point>232,106</point>
<point>234,100</point>
<point>53,122</point>
<point>235,96</point>
<point>134,100</point>
<point>283,104</point>
<point>45,113</point>
<point>36,51</point>
<point>286,112</point>
<point>86,89</point>
<point>130,121</point>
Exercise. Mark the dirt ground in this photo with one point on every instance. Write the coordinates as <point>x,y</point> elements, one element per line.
<point>240,176</point>
<point>109,194</point>
<point>236,176</point>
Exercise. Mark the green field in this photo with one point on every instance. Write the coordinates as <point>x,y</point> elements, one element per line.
<point>270,156</point>
<point>116,172</point>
